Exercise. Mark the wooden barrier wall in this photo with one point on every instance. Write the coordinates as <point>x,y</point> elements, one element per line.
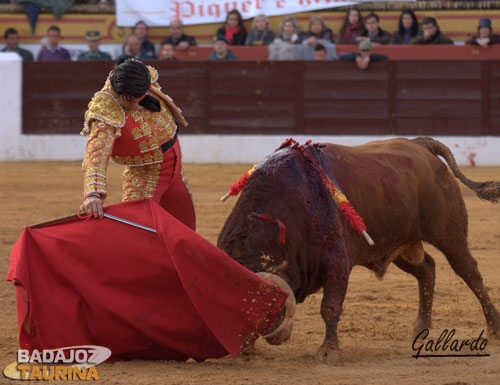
<point>397,97</point>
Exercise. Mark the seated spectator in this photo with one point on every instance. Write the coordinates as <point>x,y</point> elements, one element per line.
<point>221,50</point>
<point>320,53</point>
<point>132,49</point>
<point>290,31</point>
<point>318,32</point>
<point>93,40</point>
<point>52,51</point>
<point>485,36</point>
<point>147,48</point>
<point>261,33</point>
<point>12,45</point>
<point>178,38</point>
<point>431,33</point>
<point>408,28</point>
<point>364,57</point>
<point>373,32</point>
<point>167,51</point>
<point>306,52</point>
<point>233,31</point>
<point>284,46</point>
<point>351,27</point>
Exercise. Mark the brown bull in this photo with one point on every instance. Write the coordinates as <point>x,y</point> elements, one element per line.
<point>286,218</point>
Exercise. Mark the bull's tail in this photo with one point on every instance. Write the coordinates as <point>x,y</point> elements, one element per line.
<point>489,191</point>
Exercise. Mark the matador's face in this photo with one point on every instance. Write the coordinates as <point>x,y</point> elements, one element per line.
<point>129,103</point>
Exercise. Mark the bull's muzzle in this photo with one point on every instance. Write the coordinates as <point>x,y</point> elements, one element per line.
<point>281,330</point>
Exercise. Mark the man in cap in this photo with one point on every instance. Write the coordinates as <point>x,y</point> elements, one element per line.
<point>364,57</point>
<point>485,36</point>
<point>93,40</point>
<point>221,51</point>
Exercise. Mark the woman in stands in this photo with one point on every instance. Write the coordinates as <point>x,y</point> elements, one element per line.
<point>318,32</point>
<point>233,31</point>
<point>284,46</point>
<point>290,31</point>
<point>261,33</point>
<point>351,28</point>
<point>408,28</point>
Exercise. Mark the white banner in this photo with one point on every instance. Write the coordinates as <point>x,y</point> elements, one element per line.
<point>159,13</point>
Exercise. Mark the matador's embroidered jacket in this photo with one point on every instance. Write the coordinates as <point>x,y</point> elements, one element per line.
<point>131,138</point>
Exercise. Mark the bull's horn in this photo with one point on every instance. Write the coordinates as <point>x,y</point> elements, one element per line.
<point>290,302</point>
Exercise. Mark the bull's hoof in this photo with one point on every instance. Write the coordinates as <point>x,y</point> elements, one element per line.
<point>420,325</point>
<point>328,354</point>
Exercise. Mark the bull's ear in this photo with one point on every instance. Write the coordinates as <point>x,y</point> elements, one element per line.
<point>151,103</point>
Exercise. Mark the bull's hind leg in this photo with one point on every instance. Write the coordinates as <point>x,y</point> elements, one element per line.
<point>425,274</point>
<point>464,265</point>
<point>335,278</point>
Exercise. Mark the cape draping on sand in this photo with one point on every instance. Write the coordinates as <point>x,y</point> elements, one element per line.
<point>169,295</point>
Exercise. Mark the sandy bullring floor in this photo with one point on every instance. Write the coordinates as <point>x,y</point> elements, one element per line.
<point>374,328</point>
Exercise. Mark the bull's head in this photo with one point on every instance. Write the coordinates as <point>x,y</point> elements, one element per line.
<point>281,330</point>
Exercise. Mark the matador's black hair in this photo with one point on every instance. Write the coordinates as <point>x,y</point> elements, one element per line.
<point>130,79</point>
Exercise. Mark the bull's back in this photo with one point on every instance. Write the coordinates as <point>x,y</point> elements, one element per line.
<point>403,192</point>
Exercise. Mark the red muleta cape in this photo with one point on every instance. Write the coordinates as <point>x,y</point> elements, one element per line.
<point>169,295</point>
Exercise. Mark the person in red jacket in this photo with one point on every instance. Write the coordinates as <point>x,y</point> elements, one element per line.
<point>132,122</point>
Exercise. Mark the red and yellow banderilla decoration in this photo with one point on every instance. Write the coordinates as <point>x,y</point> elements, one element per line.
<point>237,186</point>
<point>345,206</point>
<point>338,197</point>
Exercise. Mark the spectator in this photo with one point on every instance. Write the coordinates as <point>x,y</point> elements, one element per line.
<point>233,31</point>
<point>177,36</point>
<point>373,32</point>
<point>12,45</point>
<point>284,46</point>
<point>132,49</point>
<point>93,40</point>
<point>318,32</point>
<point>351,27</point>
<point>221,51</point>
<point>431,34</point>
<point>52,51</point>
<point>147,48</point>
<point>320,52</point>
<point>364,57</point>
<point>261,33</point>
<point>290,31</point>
<point>407,28</point>
<point>485,36</point>
<point>166,52</point>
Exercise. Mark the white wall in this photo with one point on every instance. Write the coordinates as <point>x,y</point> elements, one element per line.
<point>483,151</point>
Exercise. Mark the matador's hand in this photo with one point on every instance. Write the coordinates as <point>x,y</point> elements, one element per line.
<point>93,205</point>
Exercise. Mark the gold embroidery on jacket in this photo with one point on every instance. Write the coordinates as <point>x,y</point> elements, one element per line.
<point>95,162</point>
<point>103,122</point>
<point>105,108</point>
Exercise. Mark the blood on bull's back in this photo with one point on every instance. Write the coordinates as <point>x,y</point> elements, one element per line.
<point>284,221</point>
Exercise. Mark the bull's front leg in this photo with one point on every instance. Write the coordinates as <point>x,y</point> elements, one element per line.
<point>336,271</point>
